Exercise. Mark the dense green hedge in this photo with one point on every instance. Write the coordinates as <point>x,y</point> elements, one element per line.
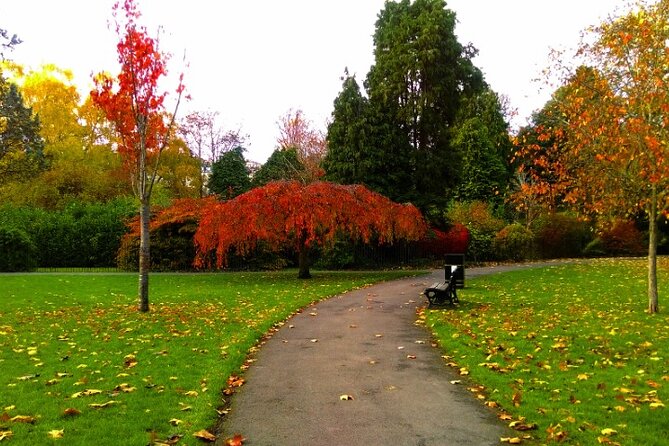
<point>81,235</point>
<point>18,250</point>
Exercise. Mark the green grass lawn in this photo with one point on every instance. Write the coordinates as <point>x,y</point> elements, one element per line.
<point>80,366</point>
<point>567,352</point>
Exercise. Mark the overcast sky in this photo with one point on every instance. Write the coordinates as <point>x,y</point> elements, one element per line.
<point>252,61</point>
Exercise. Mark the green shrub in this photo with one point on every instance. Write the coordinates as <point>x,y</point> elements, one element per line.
<point>81,235</point>
<point>595,248</point>
<point>171,249</point>
<point>339,256</point>
<point>479,218</point>
<point>514,242</point>
<point>18,252</point>
<point>561,236</point>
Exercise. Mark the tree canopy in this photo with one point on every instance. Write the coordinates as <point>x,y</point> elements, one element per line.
<point>134,103</point>
<point>399,138</point>
<point>609,124</point>
<point>291,214</point>
<point>229,174</point>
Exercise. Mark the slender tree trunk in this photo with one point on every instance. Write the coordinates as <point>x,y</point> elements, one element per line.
<point>303,262</point>
<point>652,254</point>
<point>144,256</point>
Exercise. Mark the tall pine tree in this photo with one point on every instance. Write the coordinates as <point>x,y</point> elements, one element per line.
<point>21,146</point>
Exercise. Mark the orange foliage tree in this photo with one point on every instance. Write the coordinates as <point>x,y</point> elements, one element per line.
<point>292,214</point>
<point>297,132</point>
<point>134,105</point>
<point>614,122</point>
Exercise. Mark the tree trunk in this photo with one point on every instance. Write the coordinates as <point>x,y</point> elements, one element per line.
<point>652,254</point>
<point>144,255</point>
<point>303,262</point>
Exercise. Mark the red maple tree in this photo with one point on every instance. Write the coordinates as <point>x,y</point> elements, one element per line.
<point>134,105</point>
<point>289,213</point>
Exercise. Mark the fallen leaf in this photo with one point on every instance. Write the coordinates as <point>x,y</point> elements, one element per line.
<point>71,411</point>
<point>345,397</point>
<point>87,392</point>
<point>235,381</point>
<point>205,435</point>
<point>23,419</point>
<point>5,434</point>
<point>411,356</point>
<point>521,426</point>
<point>27,377</point>
<point>609,432</point>
<point>56,433</point>
<point>237,440</point>
<point>175,421</point>
<point>511,440</point>
<point>102,405</point>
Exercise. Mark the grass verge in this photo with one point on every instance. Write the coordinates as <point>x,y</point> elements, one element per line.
<point>567,353</point>
<point>78,363</point>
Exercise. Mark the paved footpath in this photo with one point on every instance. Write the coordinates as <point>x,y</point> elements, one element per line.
<point>361,344</point>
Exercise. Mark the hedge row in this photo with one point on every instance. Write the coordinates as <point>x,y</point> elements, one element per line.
<point>81,235</point>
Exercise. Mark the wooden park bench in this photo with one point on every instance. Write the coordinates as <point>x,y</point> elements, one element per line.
<point>440,293</point>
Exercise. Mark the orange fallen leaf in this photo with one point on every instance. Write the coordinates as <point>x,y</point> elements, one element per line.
<point>71,411</point>
<point>237,440</point>
<point>235,381</point>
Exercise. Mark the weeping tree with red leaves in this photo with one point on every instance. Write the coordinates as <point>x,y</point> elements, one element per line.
<point>291,214</point>
<point>134,104</point>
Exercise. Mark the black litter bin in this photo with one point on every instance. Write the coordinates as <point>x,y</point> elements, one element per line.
<point>452,260</point>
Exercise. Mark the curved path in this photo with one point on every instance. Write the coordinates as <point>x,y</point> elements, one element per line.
<point>364,344</point>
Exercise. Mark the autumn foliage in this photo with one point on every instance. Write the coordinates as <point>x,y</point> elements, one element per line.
<point>439,243</point>
<point>290,214</point>
<point>134,104</point>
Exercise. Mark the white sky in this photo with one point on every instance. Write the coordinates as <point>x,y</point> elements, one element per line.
<point>252,61</point>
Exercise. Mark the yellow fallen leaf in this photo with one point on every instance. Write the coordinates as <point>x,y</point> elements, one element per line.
<point>102,405</point>
<point>609,432</point>
<point>87,392</point>
<point>191,393</point>
<point>23,419</point>
<point>656,405</point>
<point>56,433</point>
<point>5,434</point>
<point>511,440</point>
<point>345,397</point>
<point>205,435</point>
<point>175,421</point>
